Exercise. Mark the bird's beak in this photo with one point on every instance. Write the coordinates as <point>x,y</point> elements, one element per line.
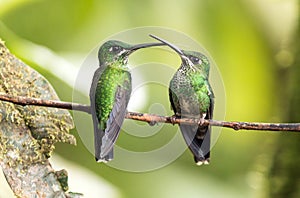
<point>144,45</point>
<point>174,47</point>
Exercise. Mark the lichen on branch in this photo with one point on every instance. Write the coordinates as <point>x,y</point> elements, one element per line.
<point>28,133</point>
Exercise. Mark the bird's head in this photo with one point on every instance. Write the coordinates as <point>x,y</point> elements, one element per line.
<point>192,59</point>
<point>114,51</point>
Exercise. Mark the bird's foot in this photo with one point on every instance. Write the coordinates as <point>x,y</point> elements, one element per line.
<point>173,119</point>
<point>152,123</point>
<point>201,121</point>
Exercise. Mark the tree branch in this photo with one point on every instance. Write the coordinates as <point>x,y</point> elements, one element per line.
<point>153,119</point>
<point>20,100</point>
<point>28,134</point>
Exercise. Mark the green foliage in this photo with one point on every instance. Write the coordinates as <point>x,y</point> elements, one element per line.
<point>60,19</point>
<point>284,166</point>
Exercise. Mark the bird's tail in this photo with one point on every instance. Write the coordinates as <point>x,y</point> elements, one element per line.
<point>98,143</point>
<point>198,140</point>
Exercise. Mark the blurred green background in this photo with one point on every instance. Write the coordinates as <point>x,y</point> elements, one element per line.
<point>256,47</point>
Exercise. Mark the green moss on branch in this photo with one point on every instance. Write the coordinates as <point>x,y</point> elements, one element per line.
<point>28,133</point>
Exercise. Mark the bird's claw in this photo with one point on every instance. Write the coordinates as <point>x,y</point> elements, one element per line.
<point>173,119</point>
<point>201,121</point>
<point>152,123</point>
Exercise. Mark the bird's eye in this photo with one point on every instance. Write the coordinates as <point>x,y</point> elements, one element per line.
<point>195,60</point>
<point>115,49</point>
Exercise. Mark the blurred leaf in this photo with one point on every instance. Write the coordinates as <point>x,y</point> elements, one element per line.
<point>41,58</point>
<point>283,171</point>
<point>56,25</point>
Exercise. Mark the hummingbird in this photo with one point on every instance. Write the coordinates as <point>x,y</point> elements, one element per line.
<point>109,94</point>
<point>191,96</point>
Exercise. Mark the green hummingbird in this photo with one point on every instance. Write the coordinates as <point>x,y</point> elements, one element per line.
<point>191,96</point>
<point>109,94</point>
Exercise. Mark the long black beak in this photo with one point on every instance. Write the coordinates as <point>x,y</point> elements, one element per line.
<point>144,45</point>
<point>175,48</point>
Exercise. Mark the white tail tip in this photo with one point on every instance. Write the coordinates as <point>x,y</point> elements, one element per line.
<point>199,163</point>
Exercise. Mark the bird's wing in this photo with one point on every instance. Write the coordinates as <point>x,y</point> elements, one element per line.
<point>203,136</point>
<point>98,133</point>
<point>210,111</point>
<point>116,117</point>
<point>175,106</point>
<point>173,99</point>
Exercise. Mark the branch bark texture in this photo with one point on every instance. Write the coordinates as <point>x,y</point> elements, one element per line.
<point>28,133</point>
<point>152,119</point>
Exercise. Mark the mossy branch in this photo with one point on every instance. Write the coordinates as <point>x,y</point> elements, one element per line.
<point>28,134</point>
<point>152,118</point>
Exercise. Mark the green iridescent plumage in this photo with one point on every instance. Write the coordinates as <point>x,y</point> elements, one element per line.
<point>110,80</point>
<point>109,94</point>
<point>192,84</point>
<point>191,96</point>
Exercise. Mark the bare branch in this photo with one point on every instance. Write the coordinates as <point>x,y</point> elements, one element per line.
<point>152,119</point>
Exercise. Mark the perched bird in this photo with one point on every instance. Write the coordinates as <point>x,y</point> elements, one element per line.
<point>191,96</point>
<point>109,94</point>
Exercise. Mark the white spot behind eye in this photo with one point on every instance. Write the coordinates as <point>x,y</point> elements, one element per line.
<point>121,52</point>
<point>110,49</point>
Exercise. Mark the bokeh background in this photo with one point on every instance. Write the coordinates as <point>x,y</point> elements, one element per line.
<point>256,46</point>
